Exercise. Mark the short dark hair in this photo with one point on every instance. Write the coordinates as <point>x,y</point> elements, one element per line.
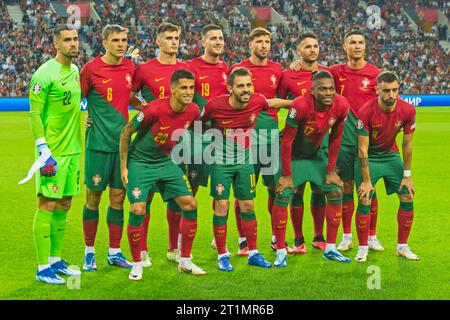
<point>306,34</point>
<point>56,31</point>
<point>112,28</point>
<point>258,32</point>
<point>181,74</point>
<point>208,28</point>
<point>238,72</point>
<point>321,74</point>
<point>166,26</point>
<point>353,32</point>
<point>387,76</point>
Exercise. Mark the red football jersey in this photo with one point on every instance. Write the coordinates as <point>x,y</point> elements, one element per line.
<point>383,127</point>
<point>210,79</point>
<point>306,127</point>
<point>266,79</point>
<point>357,85</point>
<point>296,83</point>
<point>156,124</point>
<point>223,116</point>
<point>152,78</point>
<point>107,89</point>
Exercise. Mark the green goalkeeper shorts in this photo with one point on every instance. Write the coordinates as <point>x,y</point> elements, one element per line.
<point>65,183</point>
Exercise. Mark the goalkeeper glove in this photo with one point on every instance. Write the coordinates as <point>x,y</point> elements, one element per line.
<point>50,166</point>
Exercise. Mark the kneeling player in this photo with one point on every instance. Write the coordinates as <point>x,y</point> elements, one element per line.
<point>380,120</point>
<point>149,163</point>
<point>235,115</point>
<point>303,158</point>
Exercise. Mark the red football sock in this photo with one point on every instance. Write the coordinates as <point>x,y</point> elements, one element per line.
<point>188,226</point>
<point>145,224</point>
<point>279,214</point>
<point>318,214</point>
<point>362,228</point>
<point>134,238</point>
<point>220,233</point>
<point>333,214</point>
<point>250,227</point>
<point>270,202</point>
<point>90,232</point>
<point>348,207</point>
<point>237,213</point>
<point>373,217</point>
<point>173,220</point>
<point>90,225</point>
<point>115,227</point>
<point>297,220</point>
<point>405,218</point>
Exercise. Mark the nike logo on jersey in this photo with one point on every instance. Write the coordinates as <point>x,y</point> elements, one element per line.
<point>342,79</point>
<point>104,81</point>
<point>202,77</point>
<point>63,83</point>
<point>164,128</point>
<point>300,83</point>
<point>159,79</point>
<point>227,122</point>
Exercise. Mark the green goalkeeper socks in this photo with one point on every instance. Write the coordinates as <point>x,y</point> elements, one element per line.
<point>41,232</point>
<point>58,230</point>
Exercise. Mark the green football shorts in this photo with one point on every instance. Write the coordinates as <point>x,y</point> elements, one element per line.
<point>167,177</point>
<point>240,176</point>
<point>390,169</point>
<point>65,183</point>
<point>102,169</point>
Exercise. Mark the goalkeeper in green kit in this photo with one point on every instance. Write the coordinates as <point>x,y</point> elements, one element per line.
<point>55,95</point>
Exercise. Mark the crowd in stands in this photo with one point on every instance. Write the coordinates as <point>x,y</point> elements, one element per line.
<point>423,66</point>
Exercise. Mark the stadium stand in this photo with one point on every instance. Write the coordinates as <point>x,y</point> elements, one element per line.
<point>400,44</point>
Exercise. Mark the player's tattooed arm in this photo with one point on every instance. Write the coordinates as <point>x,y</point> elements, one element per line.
<point>125,138</point>
<point>366,188</point>
<point>279,103</point>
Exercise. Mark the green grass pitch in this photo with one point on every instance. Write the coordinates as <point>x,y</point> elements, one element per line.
<point>306,277</point>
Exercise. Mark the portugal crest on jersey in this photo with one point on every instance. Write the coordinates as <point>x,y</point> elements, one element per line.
<point>359,124</point>
<point>140,116</point>
<point>128,79</point>
<point>292,113</point>
<point>273,79</point>
<point>252,118</point>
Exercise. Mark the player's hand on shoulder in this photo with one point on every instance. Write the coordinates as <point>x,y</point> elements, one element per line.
<point>333,178</point>
<point>296,65</point>
<point>50,166</point>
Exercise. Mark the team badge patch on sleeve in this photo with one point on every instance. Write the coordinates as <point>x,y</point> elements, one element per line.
<point>292,113</point>
<point>140,116</point>
<point>37,88</point>
<point>359,124</point>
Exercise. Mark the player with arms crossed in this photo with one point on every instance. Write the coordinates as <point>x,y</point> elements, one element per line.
<point>152,79</point>
<point>379,122</point>
<point>294,84</point>
<point>303,158</point>
<point>147,162</point>
<point>55,96</point>
<point>106,82</point>
<point>266,78</point>
<point>235,115</point>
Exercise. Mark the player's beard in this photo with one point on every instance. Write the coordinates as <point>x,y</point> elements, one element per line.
<point>389,102</point>
<point>73,55</point>
<point>260,56</point>
<point>238,97</point>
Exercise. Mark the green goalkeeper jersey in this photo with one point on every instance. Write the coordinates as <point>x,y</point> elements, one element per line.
<point>55,95</point>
